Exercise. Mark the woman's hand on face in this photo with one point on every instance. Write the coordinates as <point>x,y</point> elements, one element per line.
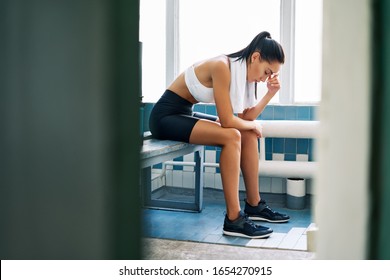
<point>273,83</point>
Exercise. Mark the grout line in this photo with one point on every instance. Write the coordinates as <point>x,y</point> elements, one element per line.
<point>292,238</point>
<point>274,240</point>
<point>301,244</point>
<point>258,243</point>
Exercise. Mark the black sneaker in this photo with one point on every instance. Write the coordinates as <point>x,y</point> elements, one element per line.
<point>243,227</point>
<point>262,212</point>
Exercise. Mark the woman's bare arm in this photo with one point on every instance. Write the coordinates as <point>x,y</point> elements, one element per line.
<point>221,82</point>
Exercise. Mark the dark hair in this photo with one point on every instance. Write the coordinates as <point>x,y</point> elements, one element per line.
<point>269,49</point>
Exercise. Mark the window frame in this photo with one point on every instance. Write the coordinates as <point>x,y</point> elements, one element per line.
<point>287,40</point>
<point>172,41</point>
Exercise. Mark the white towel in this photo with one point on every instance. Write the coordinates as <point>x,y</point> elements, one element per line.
<point>242,93</point>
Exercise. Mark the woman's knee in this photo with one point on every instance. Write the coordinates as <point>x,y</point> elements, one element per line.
<point>232,136</point>
<point>248,135</point>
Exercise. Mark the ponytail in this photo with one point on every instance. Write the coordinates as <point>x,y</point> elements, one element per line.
<point>269,49</point>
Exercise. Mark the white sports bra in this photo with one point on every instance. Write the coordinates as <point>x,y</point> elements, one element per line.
<point>200,92</point>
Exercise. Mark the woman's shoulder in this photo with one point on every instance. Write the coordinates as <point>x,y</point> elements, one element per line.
<point>218,64</point>
<point>216,67</point>
<point>217,61</point>
<point>221,61</point>
<point>220,69</point>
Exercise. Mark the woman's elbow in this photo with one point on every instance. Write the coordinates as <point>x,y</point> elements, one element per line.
<point>248,118</point>
<point>248,115</point>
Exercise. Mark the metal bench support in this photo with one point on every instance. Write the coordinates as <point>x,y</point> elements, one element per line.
<point>157,151</point>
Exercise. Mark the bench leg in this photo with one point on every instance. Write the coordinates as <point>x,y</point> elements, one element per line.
<point>199,180</point>
<point>146,184</point>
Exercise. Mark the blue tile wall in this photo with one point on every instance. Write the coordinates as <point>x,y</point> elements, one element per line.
<point>279,113</point>
<point>200,108</point>
<point>211,110</point>
<point>269,145</point>
<point>278,145</point>
<point>268,113</point>
<point>304,113</point>
<point>291,112</point>
<point>289,147</point>
<point>290,157</point>
<point>310,150</point>
<point>210,148</point>
<point>302,146</point>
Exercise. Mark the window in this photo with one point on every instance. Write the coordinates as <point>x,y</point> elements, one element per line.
<point>308,51</point>
<point>153,37</point>
<point>176,34</point>
<point>226,26</point>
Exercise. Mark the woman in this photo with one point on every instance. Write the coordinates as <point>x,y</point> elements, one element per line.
<point>231,83</point>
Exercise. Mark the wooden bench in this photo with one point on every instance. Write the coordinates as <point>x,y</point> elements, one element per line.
<point>157,151</point>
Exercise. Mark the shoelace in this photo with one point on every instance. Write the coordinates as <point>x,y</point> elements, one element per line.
<point>269,208</point>
<point>249,221</point>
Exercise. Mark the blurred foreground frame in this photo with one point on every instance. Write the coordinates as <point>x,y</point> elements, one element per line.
<point>69,164</point>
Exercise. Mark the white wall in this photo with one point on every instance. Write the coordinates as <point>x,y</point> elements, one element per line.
<point>341,207</point>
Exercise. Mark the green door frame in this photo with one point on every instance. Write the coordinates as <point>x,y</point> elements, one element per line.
<point>379,242</point>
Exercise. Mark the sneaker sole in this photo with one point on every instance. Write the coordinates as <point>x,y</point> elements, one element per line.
<point>254,218</point>
<point>246,236</point>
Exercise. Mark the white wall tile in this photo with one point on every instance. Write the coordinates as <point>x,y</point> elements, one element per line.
<point>169,178</point>
<point>278,185</point>
<point>302,157</point>
<point>210,156</point>
<point>188,179</point>
<point>177,178</point>
<point>276,156</point>
<point>242,184</point>
<point>309,186</point>
<point>209,180</point>
<point>156,172</point>
<point>265,184</point>
<point>218,181</point>
<point>156,179</point>
<point>189,158</point>
<point>154,185</point>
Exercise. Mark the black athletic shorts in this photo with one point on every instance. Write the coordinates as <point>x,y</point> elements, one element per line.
<point>172,118</point>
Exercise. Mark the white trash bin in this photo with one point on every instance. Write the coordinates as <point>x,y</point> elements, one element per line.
<point>296,193</point>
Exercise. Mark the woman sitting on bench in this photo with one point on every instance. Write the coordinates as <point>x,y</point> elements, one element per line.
<point>229,81</point>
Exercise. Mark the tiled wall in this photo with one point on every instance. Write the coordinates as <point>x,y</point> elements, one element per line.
<point>276,149</point>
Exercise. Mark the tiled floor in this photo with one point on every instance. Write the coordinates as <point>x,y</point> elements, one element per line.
<point>206,227</point>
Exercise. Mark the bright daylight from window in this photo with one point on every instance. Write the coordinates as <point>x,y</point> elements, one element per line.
<point>209,28</point>
<point>308,51</point>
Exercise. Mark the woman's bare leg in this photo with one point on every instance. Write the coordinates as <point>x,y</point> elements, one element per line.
<point>250,166</point>
<point>211,133</point>
<point>250,171</point>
